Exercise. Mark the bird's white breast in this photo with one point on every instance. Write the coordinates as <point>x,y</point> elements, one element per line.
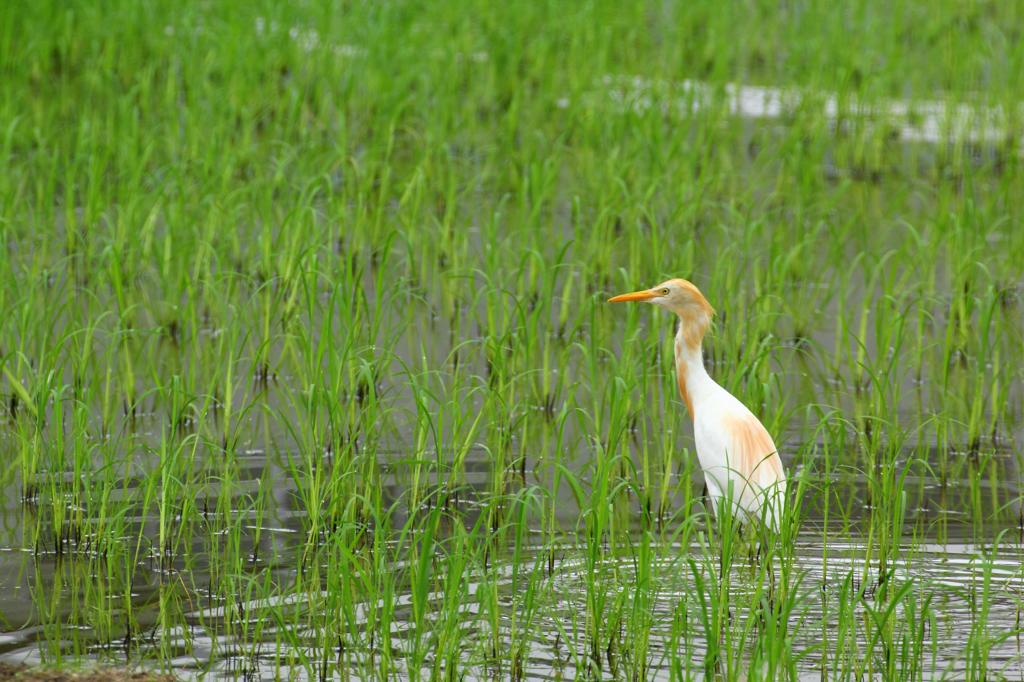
<point>735,451</point>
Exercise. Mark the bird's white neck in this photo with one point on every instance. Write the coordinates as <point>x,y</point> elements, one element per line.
<point>694,382</point>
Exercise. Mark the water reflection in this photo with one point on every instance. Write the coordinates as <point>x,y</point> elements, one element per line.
<point>964,597</point>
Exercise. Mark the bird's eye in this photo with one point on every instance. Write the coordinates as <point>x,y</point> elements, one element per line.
<point>664,292</point>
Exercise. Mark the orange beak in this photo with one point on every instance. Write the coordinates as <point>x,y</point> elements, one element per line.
<point>644,295</point>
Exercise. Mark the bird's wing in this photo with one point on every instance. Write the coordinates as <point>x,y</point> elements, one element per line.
<point>741,446</point>
<point>751,452</point>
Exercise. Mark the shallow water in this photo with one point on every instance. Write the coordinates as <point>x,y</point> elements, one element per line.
<point>948,578</point>
<point>929,121</point>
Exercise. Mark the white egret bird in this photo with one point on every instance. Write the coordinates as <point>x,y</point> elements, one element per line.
<point>736,453</point>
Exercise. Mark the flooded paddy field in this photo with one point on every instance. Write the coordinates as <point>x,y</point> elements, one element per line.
<point>306,369</point>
